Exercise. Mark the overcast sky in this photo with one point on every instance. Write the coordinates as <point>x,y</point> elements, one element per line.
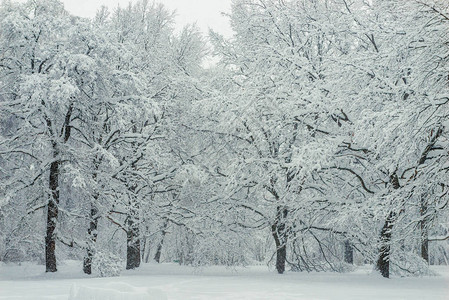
<point>206,13</point>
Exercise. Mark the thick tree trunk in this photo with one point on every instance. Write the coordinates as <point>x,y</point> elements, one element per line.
<point>425,249</point>
<point>52,216</point>
<point>132,252</point>
<point>278,230</point>
<point>92,239</point>
<point>132,246</point>
<point>383,262</point>
<point>52,207</point>
<point>92,231</point>
<point>133,234</point>
<point>157,256</point>
<point>281,256</point>
<point>349,253</point>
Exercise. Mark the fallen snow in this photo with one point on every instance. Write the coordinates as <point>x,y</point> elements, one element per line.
<point>171,281</point>
<point>115,291</point>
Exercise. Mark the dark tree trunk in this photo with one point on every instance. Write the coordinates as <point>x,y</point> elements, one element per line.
<point>132,246</point>
<point>52,216</point>
<point>133,235</point>
<point>383,261</point>
<point>52,207</point>
<point>425,249</point>
<point>157,256</point>
<point>424,230</point>
<point>281,256</point>
<point>92,231</point>
<point>349,253</point>
<point>132,252</point>
<point>92,239</point>
<point>278,230</point>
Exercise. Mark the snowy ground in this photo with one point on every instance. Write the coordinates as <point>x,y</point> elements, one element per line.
<point>170,281</point>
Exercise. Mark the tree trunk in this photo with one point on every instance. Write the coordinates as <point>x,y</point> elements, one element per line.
<point>52,207</point>
<point>424,230</point>
<point>157,256</point>
<point>148,250</point>
<point>425,248</point>
<point>278,230</point>
<point>143,249</point>
<point>132,246</point>
<point>434,136</point>
<point>281,255</point>
<point>52,216</point>
<point>383,262</point>
<point>349,252</point>
<point>133,234</point>
<point>92,232</point>
<point>147,256</point>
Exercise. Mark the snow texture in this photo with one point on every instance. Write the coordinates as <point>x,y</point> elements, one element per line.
<point>115,291</point>
<point>171,281</point>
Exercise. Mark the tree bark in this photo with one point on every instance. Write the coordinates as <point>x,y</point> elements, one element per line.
<point>278,230</point>
<point>424,230</point>
<point>349,252</point>
<point>53,203</point>
<point>133,235</point>
<point>132,246</point>
<point>52,215</point>
<point>425,248</point>
<point>157,256</point>
<point>92,239</point>
<point>383,262</point>
<point>92,231</point>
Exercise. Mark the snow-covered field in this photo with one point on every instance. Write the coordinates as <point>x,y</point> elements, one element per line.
<point>170,281</point>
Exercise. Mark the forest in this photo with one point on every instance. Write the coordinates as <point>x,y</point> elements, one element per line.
<point>318,141</point>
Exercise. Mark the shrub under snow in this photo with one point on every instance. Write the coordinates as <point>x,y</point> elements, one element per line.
<point>106,265</point>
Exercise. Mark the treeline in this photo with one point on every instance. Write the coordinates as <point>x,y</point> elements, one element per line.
<point>318,141</point>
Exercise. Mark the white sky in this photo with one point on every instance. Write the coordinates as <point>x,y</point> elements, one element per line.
<point>206,13</point>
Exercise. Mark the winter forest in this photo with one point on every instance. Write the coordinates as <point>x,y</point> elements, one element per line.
<point>317,142</point>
